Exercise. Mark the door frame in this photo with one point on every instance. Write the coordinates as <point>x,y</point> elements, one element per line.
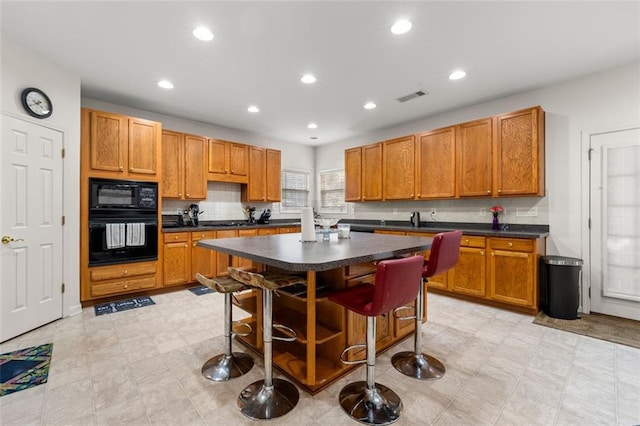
<point>586,207</point>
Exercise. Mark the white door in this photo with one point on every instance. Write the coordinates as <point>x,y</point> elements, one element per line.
<point>31,226</point>
<point>615,223</point>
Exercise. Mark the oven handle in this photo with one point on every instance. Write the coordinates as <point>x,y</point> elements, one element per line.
<point>102,223</point>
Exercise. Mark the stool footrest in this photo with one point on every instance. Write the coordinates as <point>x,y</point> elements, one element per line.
<point>285,329</point>
<point>343,358</point>
<point>404,308</point>
<point>241,333</point>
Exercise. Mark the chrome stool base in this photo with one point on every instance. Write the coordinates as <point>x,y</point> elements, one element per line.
<point>223,367</point>
<point>377,406</point>
<point>418,366</point>
<point>260,402</point>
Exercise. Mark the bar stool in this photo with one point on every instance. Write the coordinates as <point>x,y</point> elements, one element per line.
<point>268,398</point>
<point>445,250</point>
<point>396,284</point>
<point>230,364</point>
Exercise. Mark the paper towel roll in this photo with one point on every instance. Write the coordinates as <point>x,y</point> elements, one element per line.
<point>308,225</point>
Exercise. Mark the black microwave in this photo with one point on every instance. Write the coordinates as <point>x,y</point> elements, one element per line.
<point>119,195</point>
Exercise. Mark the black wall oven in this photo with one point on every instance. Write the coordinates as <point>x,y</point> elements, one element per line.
<point>123,221</point>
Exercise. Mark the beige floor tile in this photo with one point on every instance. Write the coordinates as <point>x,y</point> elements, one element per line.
<point>69,402</point>
<point>23,405</point>
<point>129,412</point>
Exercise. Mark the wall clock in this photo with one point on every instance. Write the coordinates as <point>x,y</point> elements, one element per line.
<point>36,103</point>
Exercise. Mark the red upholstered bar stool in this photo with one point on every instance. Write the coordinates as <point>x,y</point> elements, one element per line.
<point>229,364</point>
<point>269,398</point>
<point>445,249</point>
<point>396,284</point>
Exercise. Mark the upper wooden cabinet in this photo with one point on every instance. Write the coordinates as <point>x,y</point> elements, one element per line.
<point>265,175</point>
<point>228,161</point>
<point>118,146</point>
<point>474,159</point>
<point>353,174</point>
<point>398,168</point>
<point>184,165</point>
<point>372,172</point>
<point>519,153</point>
<point>436,164</point>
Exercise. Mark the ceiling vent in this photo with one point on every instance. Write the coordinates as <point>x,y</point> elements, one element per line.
<point>412,96</point>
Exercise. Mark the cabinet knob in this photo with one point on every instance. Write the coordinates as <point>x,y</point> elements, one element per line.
<point>262,198</point>
<point>499,191</point>
<point>419,195</point>
<point>466,241</point>
<point>232,171</point>
<point>121,168</point>
<point>492,254</point>
<point>179,194</point>
<point>188,195</point>
<point>510,244</point>
<point>186,245</point>
<point>130,169</point>
<point>175,237</point>
<point>194,244</point>
<point>482,253</point>
<point>488,191</point>
<point>125,286</point>
<point>125,272</point>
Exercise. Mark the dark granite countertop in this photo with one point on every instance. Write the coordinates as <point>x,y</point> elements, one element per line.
<point>286,251</point>
<point>468,228</point>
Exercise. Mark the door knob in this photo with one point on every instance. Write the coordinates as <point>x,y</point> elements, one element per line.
<point>7,239</point>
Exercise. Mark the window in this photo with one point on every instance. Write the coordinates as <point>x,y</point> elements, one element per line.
<point>295,190</point>
<point>332,191</point>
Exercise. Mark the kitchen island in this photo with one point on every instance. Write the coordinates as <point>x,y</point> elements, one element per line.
<point>323,328</point>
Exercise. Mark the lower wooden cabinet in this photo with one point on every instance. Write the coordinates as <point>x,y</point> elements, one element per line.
<point>177,258</point>
<point>469,274</point>
<point>203,260</point>
<point>513,271</point>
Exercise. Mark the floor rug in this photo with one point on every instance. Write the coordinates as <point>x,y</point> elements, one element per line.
<point>25,368</point>
<point>604,327</point>
<point>123,305</point>
<point>199,291</point>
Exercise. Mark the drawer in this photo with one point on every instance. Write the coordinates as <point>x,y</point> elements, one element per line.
<point>103,273</point>
<point>202,235</point>
<point>268,231</point>
<point>289,230</point>
<point>229,233</point>
<point>388,232</point>
<point>247,232</point>
<point>518,244</point>
<point>175,237</point>
<point>98,290</point>
<point>472,241</point>
<point>360,269</point>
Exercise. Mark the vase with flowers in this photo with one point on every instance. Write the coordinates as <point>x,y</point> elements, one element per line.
<point>496,210</point>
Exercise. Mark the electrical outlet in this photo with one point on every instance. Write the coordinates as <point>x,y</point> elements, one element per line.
<point>433,212</point>
<point>395,211</point>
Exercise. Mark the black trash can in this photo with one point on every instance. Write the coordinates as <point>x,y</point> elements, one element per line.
<point>560,287</point>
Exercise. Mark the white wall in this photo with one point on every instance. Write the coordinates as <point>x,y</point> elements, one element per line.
<point>20,69</point>
<point>603,101</point>
<point>223,199</point>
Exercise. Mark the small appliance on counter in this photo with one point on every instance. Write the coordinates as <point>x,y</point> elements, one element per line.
<point>265,216</point>
<point>250,213</point>
<point>194,212</point>
<point>415,219</point>
<point>172,221</point>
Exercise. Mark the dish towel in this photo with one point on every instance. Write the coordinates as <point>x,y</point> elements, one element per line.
<point>135,234</point>
<point>115,235</point>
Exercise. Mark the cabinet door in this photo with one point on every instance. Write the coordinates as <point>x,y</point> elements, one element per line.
<point>353,174</point>
<point>195,178</point>
<point>172,161</point>
<point>372,172</point>
<point>108,142</point>
<point>177,259</point>
<point>474,151</point>
<point>436,164</point>
<point>274,174</point>
<point>398,168</point>
<point>512,277</point>
<point>238,159</point>
<point>469,274</point>
<point>218,153</point>
<point>143,146</point>
<point>257,187</point>
<point>203,260</point>
<point>520,153</point>
<point>223,259</point>
<point>241,262</point>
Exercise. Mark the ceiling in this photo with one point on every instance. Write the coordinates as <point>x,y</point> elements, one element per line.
<point>121,50</point>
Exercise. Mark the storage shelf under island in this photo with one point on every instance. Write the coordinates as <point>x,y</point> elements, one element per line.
<point>324,329</point>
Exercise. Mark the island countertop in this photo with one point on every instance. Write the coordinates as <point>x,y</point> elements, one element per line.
<point>286,251</point>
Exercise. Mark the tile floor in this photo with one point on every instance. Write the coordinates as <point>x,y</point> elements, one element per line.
<point>143,367</point>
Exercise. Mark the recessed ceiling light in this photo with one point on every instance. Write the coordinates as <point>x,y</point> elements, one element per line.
<point>457,75</point>
<point>253,108</point>
<point>202,33</point>
<point>165,84</point>
<point>312,126</point>
<point>308,79</point>
<point>401,27</point>
<point>369,105</point>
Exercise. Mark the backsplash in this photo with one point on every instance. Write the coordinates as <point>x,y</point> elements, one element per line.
<point>224,203</point>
